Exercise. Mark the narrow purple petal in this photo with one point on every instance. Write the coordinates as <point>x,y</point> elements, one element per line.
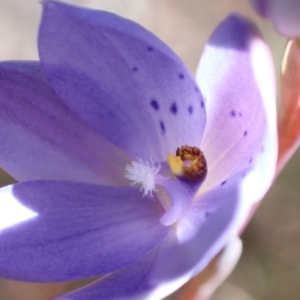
<point>121,80</point>
<point>130,283</point>
<point>285,15</point>
<point>236,77</point>
<point>68,230</point>
<point>204,230</point>
<point>42,139</point>
<point>125,284</point>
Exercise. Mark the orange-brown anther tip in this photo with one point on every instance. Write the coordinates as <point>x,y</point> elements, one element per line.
<point>197,169</point>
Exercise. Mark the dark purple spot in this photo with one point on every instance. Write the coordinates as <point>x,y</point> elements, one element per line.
<point>196,89</point>
<point>262,149</point>
<point>207,214</point>
<point>173,108</point>
<point>223,182</point>
<point>150,48</point>
<point>134,69</point>
<point>154,104</point>
<point>245,133</point>
<point>162,127</point>
<point>250,161</point>
<point>190,109</point>
<point>233,113</point>
<point>202,104</point>
<point>240,114</point>
<point>180,75</point>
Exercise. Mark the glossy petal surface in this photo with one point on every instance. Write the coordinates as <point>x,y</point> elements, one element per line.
<point>236,77</point>
<point>121,80</point>
<point>42,139</point>
<point>75,230</point>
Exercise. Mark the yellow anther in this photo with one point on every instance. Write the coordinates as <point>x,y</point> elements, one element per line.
<point>176,164</point>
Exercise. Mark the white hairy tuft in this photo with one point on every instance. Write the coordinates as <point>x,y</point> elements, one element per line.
<point>142,173</point>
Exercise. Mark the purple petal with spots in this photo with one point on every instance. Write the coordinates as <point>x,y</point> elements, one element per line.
<point>75,230</point>
<point>236,77</point>
<point>42,139</point>
<point>201,233</point>
<point>121,80</point>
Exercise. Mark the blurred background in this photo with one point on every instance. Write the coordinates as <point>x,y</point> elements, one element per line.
<point>270,265</point>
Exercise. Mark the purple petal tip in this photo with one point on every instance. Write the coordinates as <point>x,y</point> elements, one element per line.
<point>261,7</point>
<point>234,32</point>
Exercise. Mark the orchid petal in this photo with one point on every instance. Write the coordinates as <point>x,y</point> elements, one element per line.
<point>236,77</point>
<point>121,80</point>
<point>42,139</point>
<point>204,285</point>
<point>124,284</point>
<point>204,230</point>
<point>285,16</point>
<point>261,7</point>
<point>75,230</point>
<point>130,283</point>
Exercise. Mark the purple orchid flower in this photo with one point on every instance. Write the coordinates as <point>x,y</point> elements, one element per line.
<point>104,135</point>
<point>285,15</point>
